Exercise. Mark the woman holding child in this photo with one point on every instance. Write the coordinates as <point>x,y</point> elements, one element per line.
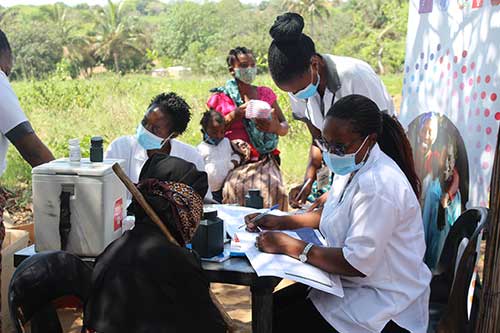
<point>260,160</point>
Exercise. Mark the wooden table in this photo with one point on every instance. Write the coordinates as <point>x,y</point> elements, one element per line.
<point>236,271</point>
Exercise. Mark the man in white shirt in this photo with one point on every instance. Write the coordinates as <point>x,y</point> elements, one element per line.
<point>14,126</point>
<point>167,116</point>
<point>315,82</point>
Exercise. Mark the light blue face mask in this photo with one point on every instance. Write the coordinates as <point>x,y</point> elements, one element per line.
<point>148,140</point>
<point>344,165</point>
<point>308,91</point>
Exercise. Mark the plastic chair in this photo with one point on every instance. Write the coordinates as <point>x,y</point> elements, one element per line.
<point>41,279</point>
<point>449,303</point>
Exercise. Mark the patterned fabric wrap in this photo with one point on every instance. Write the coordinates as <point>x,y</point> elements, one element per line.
<point>264,175</point>
<point>187,205</point>
<point>265,143</point>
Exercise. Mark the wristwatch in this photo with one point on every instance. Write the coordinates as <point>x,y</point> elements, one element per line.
<point>305,251</point>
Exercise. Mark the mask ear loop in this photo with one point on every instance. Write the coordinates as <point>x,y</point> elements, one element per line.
<point>167,139</point>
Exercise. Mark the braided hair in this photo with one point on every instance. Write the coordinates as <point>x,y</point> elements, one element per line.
<point>234,53</point>
<point>291,50</point>
<point>366,118</point>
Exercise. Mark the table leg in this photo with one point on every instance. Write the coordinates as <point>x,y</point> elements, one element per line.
<point>262,309</point>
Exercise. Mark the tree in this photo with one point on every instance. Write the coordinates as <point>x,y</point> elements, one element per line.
<point>117,34</point>
<point>310,9</point>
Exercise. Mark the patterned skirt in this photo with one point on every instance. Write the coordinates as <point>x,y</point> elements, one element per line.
<point>264,175</point>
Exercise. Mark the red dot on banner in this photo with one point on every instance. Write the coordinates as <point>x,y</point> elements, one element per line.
<point>485,165</point>
<point>478,111</point>
<point>454,93</point>
<point>455,75</point>
<point>478,128</point>
<point>464,69</point>
<point>483,95</point>
<point>449,66</point>
<point>464,53</point>
<point>471,82</point>
<point>487,112</point>
<point>479,79</point>
<point>488,130</point>
<point>497,116</point>
<point>488,148</point>
<point>487,79</point>
<point>473,65</point>
<point>474,97</point>
<point>455,59</point>
<point>448,52</point>
<point>467,99</point>
<point>442,75</point>
<point>462,86</point>
<point>493,97</point>
<point>441,60</point>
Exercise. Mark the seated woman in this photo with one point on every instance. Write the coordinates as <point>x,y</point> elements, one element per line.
<point>262,172</point>
<point>144,283</point>
<point>373,228</point>
<point>167,117</point>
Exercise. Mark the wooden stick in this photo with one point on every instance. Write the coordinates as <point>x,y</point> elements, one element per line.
<point>156,220</point>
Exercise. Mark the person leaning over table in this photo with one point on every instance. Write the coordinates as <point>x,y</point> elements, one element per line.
<point>144,283</point>
<point>314,82</point>
<point>166,117</point>
<point>373,227</point>
<point>15,127</point>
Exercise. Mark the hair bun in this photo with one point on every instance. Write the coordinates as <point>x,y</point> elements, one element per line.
<point>287,27</point>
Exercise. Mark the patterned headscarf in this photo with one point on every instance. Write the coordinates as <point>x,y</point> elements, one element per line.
<point>183,205</point>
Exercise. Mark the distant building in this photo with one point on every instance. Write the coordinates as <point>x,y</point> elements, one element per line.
<point>173,72</point>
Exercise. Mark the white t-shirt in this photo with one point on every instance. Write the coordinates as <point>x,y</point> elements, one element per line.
<point>218,162</point>
<point>129,149</point>
<point>11,116</point>
<point>378,225</point>
<point>356,77</point>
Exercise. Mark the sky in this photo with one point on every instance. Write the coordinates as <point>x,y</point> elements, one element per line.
<point>8,3</point>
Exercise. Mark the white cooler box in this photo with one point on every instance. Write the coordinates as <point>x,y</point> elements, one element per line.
<point>92,194</point>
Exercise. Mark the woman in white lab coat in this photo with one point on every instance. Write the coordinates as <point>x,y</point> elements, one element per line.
<point>314,82</point>
<point>373,228</point>
<point>167,117</point>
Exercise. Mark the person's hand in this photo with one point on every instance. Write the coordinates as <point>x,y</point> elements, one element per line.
<point>268,125</point>
<point>239,112</point>
<point>268,222</point>
<point>319,203</point>
<point>279,243</point>
<point>300,201</point>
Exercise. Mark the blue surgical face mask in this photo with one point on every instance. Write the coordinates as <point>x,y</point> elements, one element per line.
<point>344,165</point>
<point>148,140</point>
<point>211,141</point>
<point>308,91</point>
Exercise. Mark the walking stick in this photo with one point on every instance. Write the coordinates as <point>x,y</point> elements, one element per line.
<point>156,220</point>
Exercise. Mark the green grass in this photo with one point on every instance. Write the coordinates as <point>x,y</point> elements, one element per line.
<point>112,106</point>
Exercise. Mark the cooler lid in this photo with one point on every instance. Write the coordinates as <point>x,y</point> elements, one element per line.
<point>83,168</point>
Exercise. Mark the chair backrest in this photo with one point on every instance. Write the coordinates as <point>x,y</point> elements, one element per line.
<point>456,316</point>
<point>457,240</point>
<point>41,279</point>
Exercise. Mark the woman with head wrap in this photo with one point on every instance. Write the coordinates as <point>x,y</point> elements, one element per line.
<point>144,283</point>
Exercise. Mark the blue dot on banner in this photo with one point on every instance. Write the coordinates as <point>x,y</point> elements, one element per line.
<point>439,47</point>
<point>407,69</point>
<point>422,55</point>
<point>421,77</point>
<point>404,80</point>
<point>409,90</point>
<point>412,78</point>
<point>417,66</point>
<point>418,90</point>
<point>426,66</point>
<point>432,56</point>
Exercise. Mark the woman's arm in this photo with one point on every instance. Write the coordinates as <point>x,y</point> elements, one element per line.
<point>290,222</point>
<point>277,124</point>
<point>237,114</point>
<point>329,259</point>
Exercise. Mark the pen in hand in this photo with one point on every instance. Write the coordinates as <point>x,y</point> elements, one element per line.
<point>259,217</point>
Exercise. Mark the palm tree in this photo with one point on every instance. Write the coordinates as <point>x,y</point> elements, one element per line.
<point>116,33</point>
<point>308,8</point>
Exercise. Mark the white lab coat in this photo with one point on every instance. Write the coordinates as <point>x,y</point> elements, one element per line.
<point>356,77</point>
<point>129,149</point>
<point>378,225</point>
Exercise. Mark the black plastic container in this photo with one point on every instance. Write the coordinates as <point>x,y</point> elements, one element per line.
<point>96,150</point>
<point>253,199</point>
<point>208,241</point>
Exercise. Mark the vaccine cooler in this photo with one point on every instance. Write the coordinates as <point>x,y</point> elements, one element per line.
<point>78,206</point>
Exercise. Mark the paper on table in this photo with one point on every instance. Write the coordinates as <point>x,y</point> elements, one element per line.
<point>283,266</point>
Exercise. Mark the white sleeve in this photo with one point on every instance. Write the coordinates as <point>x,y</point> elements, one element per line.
<point>367,83</point>
<point>373,218</point>
<point>116,150</point>
<point>298,108</point>
<point>11,114</point>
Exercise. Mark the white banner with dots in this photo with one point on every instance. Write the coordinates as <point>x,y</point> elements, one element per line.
<point>451,99</point>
